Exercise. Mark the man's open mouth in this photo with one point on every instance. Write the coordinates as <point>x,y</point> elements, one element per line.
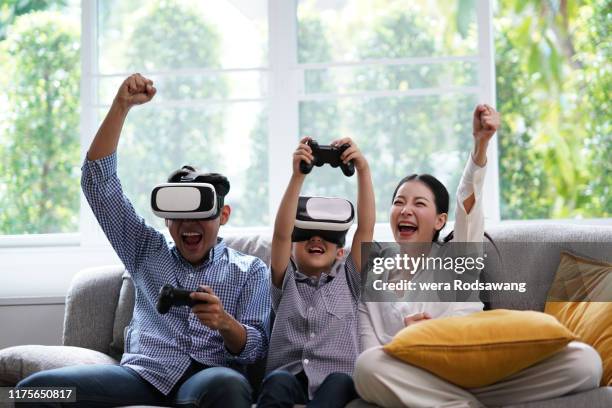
<point>191,239</point>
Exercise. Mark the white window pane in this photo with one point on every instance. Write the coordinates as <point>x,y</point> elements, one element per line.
<point>352,30</point>
<point>176,87</point>
<point>398,135</point>
<point>162,35</point>
<point>221,138</point>
<point>390,77</point>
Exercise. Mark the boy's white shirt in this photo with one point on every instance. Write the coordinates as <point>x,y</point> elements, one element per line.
<point>380,321</point>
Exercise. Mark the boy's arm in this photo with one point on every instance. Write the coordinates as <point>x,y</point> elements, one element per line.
<point>285,216</point>
<point>366,206</point>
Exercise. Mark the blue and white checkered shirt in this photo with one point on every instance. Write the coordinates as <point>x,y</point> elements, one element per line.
<point>160,347</point>
<point>315,329</point>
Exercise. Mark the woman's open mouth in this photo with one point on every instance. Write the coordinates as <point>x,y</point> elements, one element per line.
<point>407,229</point>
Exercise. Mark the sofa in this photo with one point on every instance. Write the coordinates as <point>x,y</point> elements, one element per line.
<point>100,300</point>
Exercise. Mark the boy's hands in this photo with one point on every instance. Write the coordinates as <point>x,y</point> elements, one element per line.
<point>135,90</point>
<point>303,152</point>
<point>352,153</point>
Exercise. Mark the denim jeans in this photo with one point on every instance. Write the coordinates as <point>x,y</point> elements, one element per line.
<point>283,389</point>
<point>112,385</point>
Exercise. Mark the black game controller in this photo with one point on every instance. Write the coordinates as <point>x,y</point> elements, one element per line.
<point>170,296</point>
<point>327,154</point>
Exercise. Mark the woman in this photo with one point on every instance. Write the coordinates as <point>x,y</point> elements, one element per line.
<point>418,213</point>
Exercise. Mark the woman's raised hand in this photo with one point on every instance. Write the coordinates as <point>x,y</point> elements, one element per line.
<point>485,123</point>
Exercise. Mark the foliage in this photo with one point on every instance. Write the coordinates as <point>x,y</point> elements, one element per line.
<point>11,9</point>
<point>39,188</point>
<point>553,86</point>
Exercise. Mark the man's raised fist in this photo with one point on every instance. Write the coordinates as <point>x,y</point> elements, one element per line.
<point>135,90</point>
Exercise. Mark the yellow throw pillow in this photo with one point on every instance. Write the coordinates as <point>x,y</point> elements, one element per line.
<point>579,279</point>
<point>482,348</point>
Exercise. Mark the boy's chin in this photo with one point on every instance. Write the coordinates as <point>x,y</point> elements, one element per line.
<point>319,262</point>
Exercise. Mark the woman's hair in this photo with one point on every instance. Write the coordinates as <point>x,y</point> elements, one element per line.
<point>441,197</point>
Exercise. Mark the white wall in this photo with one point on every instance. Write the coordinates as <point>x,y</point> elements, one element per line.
<point>39,322</point>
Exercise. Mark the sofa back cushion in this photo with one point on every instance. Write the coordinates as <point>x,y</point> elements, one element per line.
<point>530,253</point>
<point>90,308</point>
<point>123,315</point>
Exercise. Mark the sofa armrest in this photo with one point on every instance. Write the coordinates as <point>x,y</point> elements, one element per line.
<point>90,308</point>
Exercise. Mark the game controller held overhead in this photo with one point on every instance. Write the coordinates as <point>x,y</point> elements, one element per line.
<point>170,296</point>
<point>327,154</point>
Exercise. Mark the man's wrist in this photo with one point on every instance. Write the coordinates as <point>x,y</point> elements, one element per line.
<point>233,333</point>
<point>120,106</point>
<point>227,323</point>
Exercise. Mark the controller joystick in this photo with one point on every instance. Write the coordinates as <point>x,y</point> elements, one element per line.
<point>327,154</point>
<point>170,296</point>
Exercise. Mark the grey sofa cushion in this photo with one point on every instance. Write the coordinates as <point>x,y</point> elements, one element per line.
<point>531,253</point>
<point>16,363</point>
<point>90,308</point>
<point>598,398</point>
<point>256,245</point>
<point>123,315</point>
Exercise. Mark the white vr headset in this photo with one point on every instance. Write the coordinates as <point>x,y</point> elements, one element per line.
<point>327,217</point>
<point>185,201</point>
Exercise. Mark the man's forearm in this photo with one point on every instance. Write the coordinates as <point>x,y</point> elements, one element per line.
<point>234,335</point>
<point>106,140</point>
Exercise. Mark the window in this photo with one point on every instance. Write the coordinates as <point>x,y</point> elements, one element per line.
<point>240,80</point>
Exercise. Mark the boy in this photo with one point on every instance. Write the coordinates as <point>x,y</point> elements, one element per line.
<point>314,341</point>
<point>179,358</point>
